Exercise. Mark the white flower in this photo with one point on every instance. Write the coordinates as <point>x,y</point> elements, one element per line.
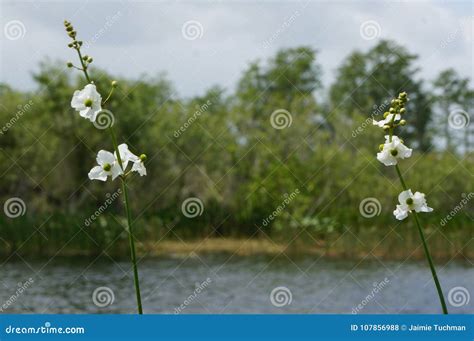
<point>387,120</point>
<point>409,202</point>
<point>88,102</point>
<point>139,167</point>
<point>127,156</point>
<point>392,151</point>
<point>108,166</point>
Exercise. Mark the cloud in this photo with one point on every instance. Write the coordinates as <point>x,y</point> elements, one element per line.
<point>147,37</point>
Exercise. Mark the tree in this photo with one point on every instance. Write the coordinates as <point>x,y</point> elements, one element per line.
<point>453,97</point>
<point>364,80</point>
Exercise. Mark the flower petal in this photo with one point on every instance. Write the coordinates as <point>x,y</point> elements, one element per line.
<point>400,212</point>
<point>104,157</point>
<point>97,173</point>
<point>403,196</point>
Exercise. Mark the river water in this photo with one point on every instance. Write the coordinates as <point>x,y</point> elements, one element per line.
<point>230,284</point>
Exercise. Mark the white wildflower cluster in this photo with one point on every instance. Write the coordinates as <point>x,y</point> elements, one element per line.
<point>89,104</point>
<point>394,149</point>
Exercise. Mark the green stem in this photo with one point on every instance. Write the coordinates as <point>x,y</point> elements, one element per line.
<point>433,270</point>
<point>84,67</point>
<point>127,204</point>
<point>132,248</point>
<point>108,97</point>
<point>427,251</point>
<point>131,238</point>
<point>404,185</point>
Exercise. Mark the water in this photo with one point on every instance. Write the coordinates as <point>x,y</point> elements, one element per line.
<point>234,285</point>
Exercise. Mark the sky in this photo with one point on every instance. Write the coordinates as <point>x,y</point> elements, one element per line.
<point>201,44</point>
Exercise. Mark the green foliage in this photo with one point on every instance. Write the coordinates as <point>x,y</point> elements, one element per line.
<point>223,149</point>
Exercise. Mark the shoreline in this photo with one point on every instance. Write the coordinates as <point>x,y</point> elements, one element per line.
<point>254,247</point>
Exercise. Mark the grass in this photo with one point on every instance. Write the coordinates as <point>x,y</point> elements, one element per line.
<point>63,236</point>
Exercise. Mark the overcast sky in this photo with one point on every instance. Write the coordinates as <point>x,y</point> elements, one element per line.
<point>202,44</point>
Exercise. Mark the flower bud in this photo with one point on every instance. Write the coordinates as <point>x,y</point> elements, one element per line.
<point>403,122</point>
<point>90,60</point>
<point>69,64</point>
<point>70,45</point>
<point>381,146</point>
<point>114,84</point>
<point>386,127</point>
<point>69,28</point>
<point>403,110</point>
<point>385,114</point>
<point>85,58</point>
<point>391,110</point>
<point>143,157</point>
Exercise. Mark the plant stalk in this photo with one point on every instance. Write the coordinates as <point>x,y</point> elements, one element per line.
<point>131,238</point>
<point>427,251</point>
<point>133,256</point>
